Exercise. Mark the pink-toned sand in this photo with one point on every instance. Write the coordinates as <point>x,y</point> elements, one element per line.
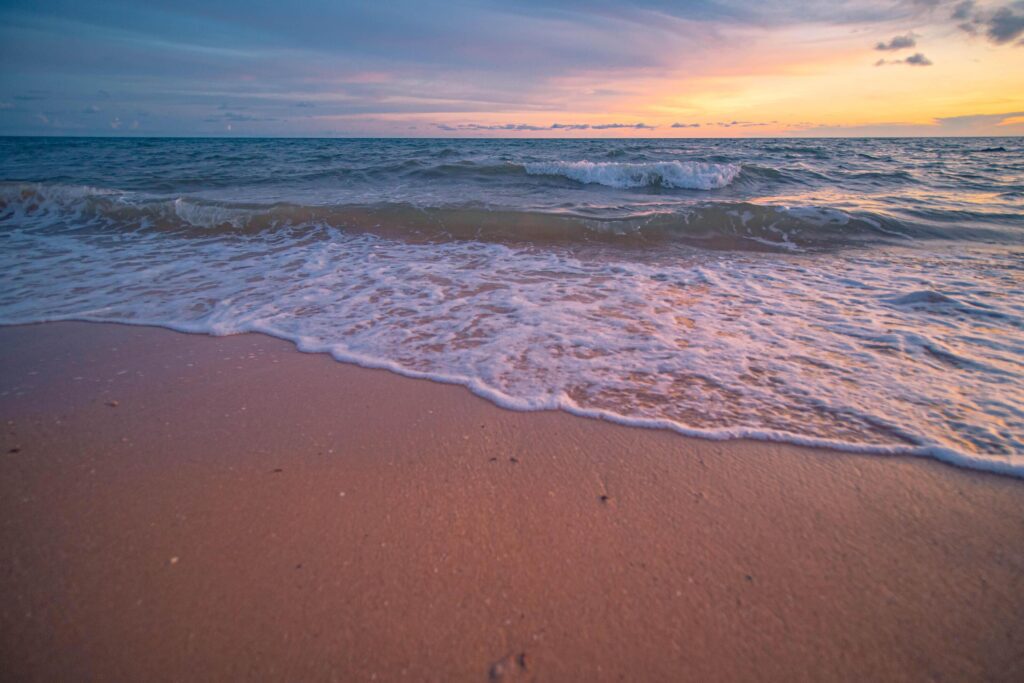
<point>178,507</point>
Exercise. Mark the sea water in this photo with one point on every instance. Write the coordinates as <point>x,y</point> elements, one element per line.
<point>861,294</point>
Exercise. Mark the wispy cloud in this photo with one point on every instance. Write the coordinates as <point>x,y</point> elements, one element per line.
<point>532,127</point>
<point>495,126</point>
<point>635,126</point>
<point>745,124</point>
<point>236,117</point>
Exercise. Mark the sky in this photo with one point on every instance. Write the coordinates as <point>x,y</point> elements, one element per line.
<point>493,68</point>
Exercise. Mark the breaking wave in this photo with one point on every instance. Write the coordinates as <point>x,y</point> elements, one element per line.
<point>714,225</point>
<point>682,175</point>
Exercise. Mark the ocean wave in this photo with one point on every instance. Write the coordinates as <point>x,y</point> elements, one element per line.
<point>682,175</point>
<point>799,151</point>
<point>883,177</point>
<point>939,303</point>
<point>758,175</point>
<point>743,226</point>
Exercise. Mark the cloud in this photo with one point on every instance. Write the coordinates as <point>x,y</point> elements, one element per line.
<point>532,127</point>
<point>974,124</point>
<point>728,124</point>
<point>962,10</point>
<point>966,123</point>
<point>1001,26</point>
<point>637,126</point>
<point>898,43</point>
<point>235,117</point>
<point>238,118</point>
<point>744,124</point>
<point>916,59</point>
<point>497,126</point>
<point>1005,25</point>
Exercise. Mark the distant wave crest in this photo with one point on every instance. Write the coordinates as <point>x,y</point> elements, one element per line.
<point>683,175</point>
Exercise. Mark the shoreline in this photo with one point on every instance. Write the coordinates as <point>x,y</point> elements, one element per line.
<point>935,453</point>
<point>188,506</point>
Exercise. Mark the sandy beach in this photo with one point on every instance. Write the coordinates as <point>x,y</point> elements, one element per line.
<point>183,507</point>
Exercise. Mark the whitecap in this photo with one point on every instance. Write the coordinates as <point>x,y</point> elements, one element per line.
<point>688,175</point>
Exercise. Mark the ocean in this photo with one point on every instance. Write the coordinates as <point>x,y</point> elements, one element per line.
<point>860,294</point>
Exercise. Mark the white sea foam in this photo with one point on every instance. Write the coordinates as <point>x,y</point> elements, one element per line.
<point>685,175</point>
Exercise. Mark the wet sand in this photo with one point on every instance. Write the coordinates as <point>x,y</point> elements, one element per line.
<point>195,508</point>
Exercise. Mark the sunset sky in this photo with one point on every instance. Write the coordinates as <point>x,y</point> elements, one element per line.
<point>588,68</point>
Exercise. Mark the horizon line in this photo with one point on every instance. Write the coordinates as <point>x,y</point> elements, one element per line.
<point>498,137</point>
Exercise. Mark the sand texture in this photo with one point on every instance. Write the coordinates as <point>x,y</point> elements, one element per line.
<point>179,507</point>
